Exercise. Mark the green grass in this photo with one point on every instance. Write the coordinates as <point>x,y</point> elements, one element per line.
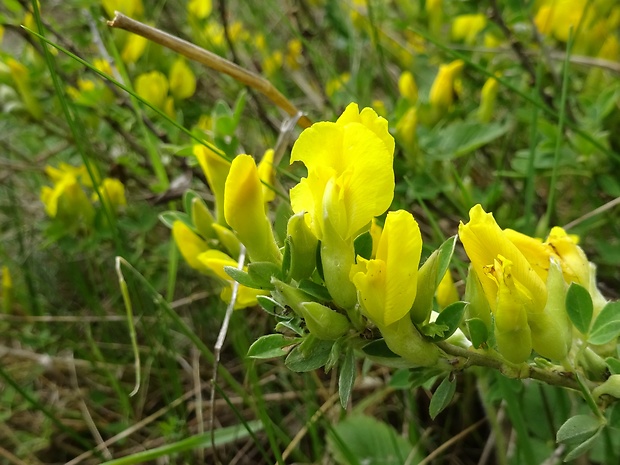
<point>74,343</point>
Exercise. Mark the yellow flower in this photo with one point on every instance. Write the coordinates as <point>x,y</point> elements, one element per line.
<point>487,100</point>
<point>68,202</point>
<point>190,245</point>
<point>267,175</point>
<point>536,252</point>
<point>406,128</point>
<point>215,168</point>
<point>113,192</point>
<point>244,210</point>
<point>510,283</point>
<point>556,17</point>
<point>294,56</point>
<point>387,284</point>
<point>575,265</point>
<point>215,261</point>
<point>133,49</point>
<point>512,332</point>
<point>467,27</point>
<point>335,84</point>
<point>103,65</point>
<point>152,87</point>
<point>272,63</point>
<point>21,78</point>
<point>434,10</point>
<point>182,80</point>
<point>354,155</point>
<point>199,8</point>
<point>131,8</point>
<point>407,87</point>
<point>442,91</point>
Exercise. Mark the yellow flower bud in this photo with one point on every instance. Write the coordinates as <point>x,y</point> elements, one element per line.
<point>304,247</point>
<point>113,193</point>
<point>244,210</point>
<point>488,97</point>
<point>152,87</point>
<point>199,8</point>
<point>512,332</point>
<point>267,175</point>
<point>182,80</point>
<point>467,27</point>
<point>324,322</point>
<point>406,128</point>
<point>407,87</point>
<point>215,168</point>
<point>215,261</point>
<point>190,245</point>
<point>133,49</point>
<point>442,91</point>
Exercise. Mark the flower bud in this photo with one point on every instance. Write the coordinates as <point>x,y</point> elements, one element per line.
<point>403,339</point>
<point>324,322</point>
<point>552,330</point>
<point>244,210</point>
<point>215,168</point>
<point>304,245</point>
<point>202,218</point>
<point>190,245</point>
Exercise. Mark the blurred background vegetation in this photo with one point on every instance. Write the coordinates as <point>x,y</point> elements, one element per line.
<point>511,104</point>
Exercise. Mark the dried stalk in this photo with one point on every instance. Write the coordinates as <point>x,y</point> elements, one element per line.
<point>213,61</point>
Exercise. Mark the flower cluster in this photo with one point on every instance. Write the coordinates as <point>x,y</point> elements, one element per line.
<point>337,275</point>
<point>67,200</point>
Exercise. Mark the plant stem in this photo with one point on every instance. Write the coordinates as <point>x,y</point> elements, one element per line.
<point>211,60</point>
<point>468,358</point>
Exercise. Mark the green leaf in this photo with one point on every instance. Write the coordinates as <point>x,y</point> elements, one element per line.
<point>478,332</point>
<point>262,272</point>
<point>460,138</point>
<point>450,317</point>
<point>583,447</point>
<point>442,397</point>
<point>363,245</point>
<point>578,429</point>
<point>445,252</point>
<point>269,304</point>
<point>169,217</point>
<point>606,327</point>
<point>614,365</point>
<point>241,277</point>
<point>308,357</point>
<point>346,377</point>
<point>315,290</point>
<point>188,198</point>
<point>287,253</point>
<point>271,346</point>
<point>614,416</point>
<point>360,439</point>
<point>579,307</point>
<point>379,348</point>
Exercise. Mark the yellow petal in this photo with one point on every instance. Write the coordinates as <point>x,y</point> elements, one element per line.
<point>190,245</point>
<point>244,210</point>
<point>215,168</point>
<point>371,288</point>
<point>573,259</point>
<point>216,260</point>
<point>134,48</point>
<point>484,241</point>
<point>267,174</point>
